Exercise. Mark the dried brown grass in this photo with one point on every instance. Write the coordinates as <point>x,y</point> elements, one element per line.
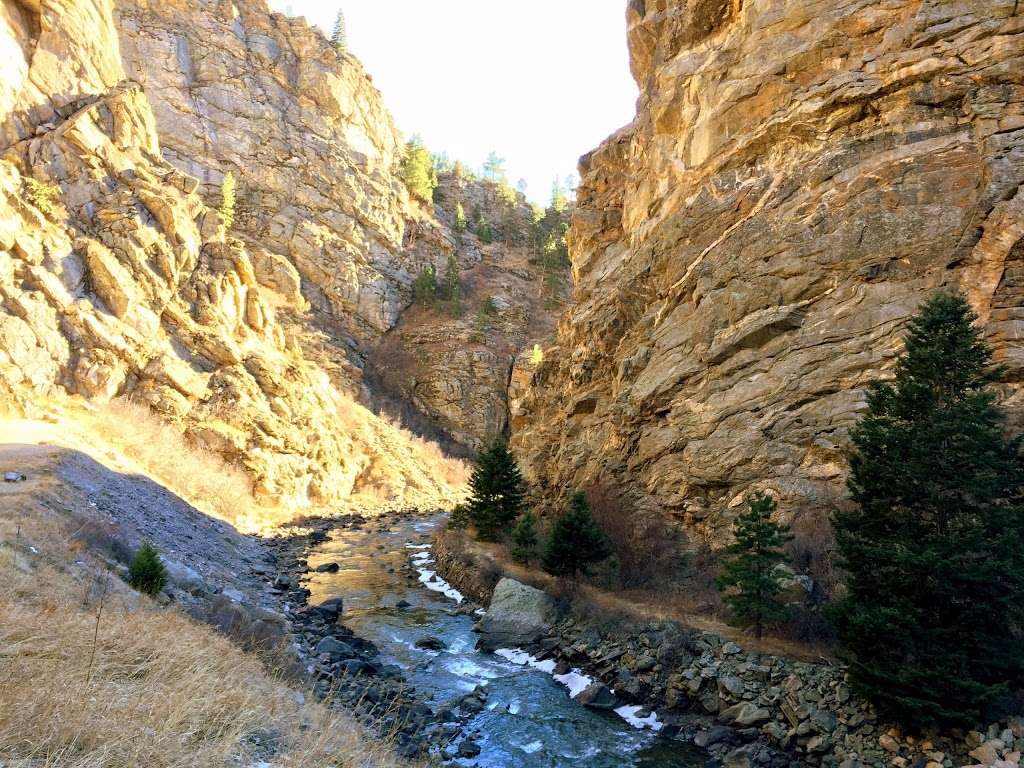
<point>162,452</point>
<point>154,689</point>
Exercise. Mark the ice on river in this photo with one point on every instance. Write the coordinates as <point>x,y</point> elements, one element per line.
<point>435,583</point>
<point>577,682</point>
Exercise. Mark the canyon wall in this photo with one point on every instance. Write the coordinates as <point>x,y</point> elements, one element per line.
<point>799,177</point>
<point>117,278</point>
<point>324,212</point>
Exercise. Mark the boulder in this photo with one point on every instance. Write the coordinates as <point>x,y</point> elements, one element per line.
<point>430,643</point>
<point>327,568</point>
<point>517,616</point>
<point>746,714</point>
<point>330,609</point>
<point>597,696</point>
<point>335,648</point>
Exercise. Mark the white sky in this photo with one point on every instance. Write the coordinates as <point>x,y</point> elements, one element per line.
<point>539,81</point>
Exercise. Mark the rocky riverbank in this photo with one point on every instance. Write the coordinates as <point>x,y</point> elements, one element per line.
<point>345,669</point>
<point>746,709</point>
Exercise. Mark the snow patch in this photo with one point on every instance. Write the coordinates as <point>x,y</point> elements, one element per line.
<point>435,583</point>
<point>629,714</point>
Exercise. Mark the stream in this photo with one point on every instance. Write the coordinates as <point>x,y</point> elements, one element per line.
<point>527,718</point>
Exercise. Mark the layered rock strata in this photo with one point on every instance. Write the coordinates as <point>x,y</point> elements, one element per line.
<point>746,253</point>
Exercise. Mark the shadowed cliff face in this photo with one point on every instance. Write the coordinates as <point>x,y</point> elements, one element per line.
<point>799,176</point>
<point>117,279</point>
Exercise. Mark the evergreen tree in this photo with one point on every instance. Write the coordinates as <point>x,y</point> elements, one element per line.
<point>339,38</point>
<point>933,548</point>
<point>494,167</point>
<point>147,572</point>
<point>460,218</point>
<point>424,287</point>
<point>453,286</point>
<point>575,542</point>
<point>559,200</point>
<point>227,200</point>
<point>496,491</point>
<point>522,185</point>
<point>417,170</point>
<point>484,231</point>
<point>459,519</point>
<point>524,538</point>
<point>751,573</point>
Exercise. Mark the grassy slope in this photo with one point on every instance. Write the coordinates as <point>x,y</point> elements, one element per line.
<point>131,683</point>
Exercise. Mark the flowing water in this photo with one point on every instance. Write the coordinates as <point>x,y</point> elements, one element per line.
<point>529,719</point>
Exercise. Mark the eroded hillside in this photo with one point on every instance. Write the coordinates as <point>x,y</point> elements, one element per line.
<point>798,177</point>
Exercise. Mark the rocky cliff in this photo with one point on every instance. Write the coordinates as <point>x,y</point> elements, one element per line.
<point>745,253</point>
<point>449,372</point>
<point>118,278</point>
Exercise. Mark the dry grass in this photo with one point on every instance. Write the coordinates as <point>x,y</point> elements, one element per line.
<point>697,608</point>
<point>400,468</point>
<point>163,453</point>
<point>154,689</point>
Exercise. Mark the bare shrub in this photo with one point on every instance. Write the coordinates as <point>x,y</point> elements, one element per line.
<point>812,551</point>
<point>645,547</point>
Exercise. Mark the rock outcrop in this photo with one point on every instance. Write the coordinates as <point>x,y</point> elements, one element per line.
<point>301,126</point>
<point>799,176</point>
<point>118,279</point>
<point>332,230</point>
<point>449,373</point>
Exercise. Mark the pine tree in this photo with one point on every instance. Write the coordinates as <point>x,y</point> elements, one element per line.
<point>751,575</point>
<point>417,170</point>
<point>494,168</point>
<point>453,286</point>
<point>424,287</point>
<point>484,231</point>
<point>933,548</point>
<point>227,200</point>
<point>339,39</point>
<point>496,491</point>
<point>524,538</point>
<point>147,572</point>
<point>559,200</point>
<point>575,542</point>
<point>460,218</point>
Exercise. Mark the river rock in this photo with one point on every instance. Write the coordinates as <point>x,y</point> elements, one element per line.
<point>745,714</point>
<point>517,616</point>
<point>335,648</point>
<point>597,696</point>
<point>430,643</point>
<point>469,748</point>
<point>330,609</point>
<point>327,568</point>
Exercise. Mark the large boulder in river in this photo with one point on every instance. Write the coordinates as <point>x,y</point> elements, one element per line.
<point>517,616</point>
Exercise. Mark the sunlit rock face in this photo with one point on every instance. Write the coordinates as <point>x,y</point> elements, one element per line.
<point>321,207</point>
<point>306,134</point>
<point>799,177</point>
<point>117,278</point>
